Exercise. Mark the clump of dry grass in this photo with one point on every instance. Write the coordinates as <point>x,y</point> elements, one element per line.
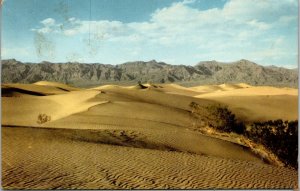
<point>43,118</point>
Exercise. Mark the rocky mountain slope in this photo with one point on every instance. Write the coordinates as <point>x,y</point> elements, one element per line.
<point>209,72</point>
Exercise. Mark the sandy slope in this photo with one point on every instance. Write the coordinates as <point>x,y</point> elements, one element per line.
<point>57,85</point>
<point>155,128</point>
<point>122,137</point>
<point>219,88</point>
<point>25,110</point>
<point>234,90</point>
<point>43,159</point>
<point>259,103</point>
<point>167,88</point>
<point>33,89</point>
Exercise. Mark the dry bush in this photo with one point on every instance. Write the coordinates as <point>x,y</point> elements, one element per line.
<point>279,137</point>
<point>43,118</point>
<point>218,117</point>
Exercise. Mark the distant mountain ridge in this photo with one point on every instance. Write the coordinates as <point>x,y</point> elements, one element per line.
<point>208,72</point>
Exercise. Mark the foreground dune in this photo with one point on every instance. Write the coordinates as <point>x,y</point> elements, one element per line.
<point>113,137</point>
<point>45,159</point>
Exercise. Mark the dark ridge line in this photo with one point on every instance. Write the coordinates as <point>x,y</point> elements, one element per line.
<point>63,89</point>
<point>9,90</point>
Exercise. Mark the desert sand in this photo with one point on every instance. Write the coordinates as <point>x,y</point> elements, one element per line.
<point>113,137</point>
<point>257,103</point>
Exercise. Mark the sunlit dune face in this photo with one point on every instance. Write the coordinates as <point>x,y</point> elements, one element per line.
<point>113,137</point>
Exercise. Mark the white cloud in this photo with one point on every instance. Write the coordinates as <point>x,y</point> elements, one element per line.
<point>262,10</point>
<point>179,19</point>
<point>185,2</point>
<point>48,22</point>
<point>258,25</point>
<point>239,29</point>
<point>72,19</point>
<point>48,26</point>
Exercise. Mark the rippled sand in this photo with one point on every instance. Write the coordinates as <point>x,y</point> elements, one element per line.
<point>115,137</point>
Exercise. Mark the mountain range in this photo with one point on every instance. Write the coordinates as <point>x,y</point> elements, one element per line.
<point>208,72</point>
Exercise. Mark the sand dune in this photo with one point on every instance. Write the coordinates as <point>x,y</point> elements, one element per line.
<point>244,85</point>
<point>152,96</point>
<point>166,88</point>
<point>156,129</point>
<point>230,86</point>
<point>32,89</point>
<point>259,103</point>
<point>177,89</point>
<point>255,91</point>
<point>219,88</point>
<point>57,85</point>
<point>43,159</point>
<point>113,137</point>
<point>24,111</point>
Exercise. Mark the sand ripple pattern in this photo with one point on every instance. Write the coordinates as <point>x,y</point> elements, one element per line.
<point>40,159</point>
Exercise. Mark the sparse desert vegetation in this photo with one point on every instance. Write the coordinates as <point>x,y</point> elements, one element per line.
<point>218,117</point>
<point>279,137</point>
<point>148,136</point>
<point>43,118</point>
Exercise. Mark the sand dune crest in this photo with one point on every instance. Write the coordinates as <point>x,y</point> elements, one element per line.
<point>115,137</point>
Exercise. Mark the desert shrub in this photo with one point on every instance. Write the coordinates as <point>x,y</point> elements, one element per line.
<point>239,128</point>
<point>43,118</point>
<point>279,137</point>
<point>218,117</point>
<point>223,119</point>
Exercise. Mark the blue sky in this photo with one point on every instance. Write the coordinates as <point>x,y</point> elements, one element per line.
<point>173,31</point>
